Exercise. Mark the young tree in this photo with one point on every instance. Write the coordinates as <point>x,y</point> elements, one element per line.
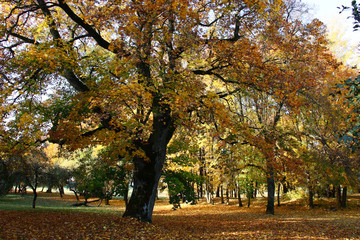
<point>98,178</point>
<point>32,163</point>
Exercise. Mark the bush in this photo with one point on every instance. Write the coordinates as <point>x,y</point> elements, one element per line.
<point>297,194</point>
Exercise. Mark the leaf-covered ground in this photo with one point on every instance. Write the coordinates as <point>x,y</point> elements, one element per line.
<point>202,221</point>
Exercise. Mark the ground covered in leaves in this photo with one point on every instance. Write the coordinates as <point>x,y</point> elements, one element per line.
<point>219,221</point>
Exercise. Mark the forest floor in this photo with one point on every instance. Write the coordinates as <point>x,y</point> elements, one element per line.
<point>55,219</point>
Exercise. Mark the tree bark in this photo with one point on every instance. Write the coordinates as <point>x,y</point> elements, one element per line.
<point>278,194</point>
<point>222,194</point>
<point>34,198</point>
<point>201,172</point>
<point>344,197</point>
<point>126,194</point>
<point>61,191</point>
<point>146,176</point>
<point>270,208</point>
<point>239,197</point>
<point>338,196</point>
<point>311,197</point>
<point>285,185</point>
<point>227,197</point>
<point>49,190</point>
<point>147,172</point>
<point>255,189</point>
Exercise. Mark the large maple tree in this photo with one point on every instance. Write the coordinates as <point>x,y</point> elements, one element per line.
<point>126,74</point>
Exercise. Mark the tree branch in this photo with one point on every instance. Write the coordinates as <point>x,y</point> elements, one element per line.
<point>92,32</point>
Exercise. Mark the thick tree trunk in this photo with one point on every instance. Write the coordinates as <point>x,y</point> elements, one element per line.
<point>270,208</point>
<point>147,172</point>
<point>146,177</point>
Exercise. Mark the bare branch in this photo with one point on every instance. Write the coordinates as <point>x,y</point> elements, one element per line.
<point>92,32</point>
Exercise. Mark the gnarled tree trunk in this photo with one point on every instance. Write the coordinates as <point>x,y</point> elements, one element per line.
<point>147,172</point>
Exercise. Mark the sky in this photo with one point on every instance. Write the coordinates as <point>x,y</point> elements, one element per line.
<point>327,11</point>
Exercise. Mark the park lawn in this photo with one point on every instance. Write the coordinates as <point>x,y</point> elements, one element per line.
<point>55,219</point>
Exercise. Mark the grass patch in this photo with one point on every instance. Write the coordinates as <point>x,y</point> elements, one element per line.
<point>48,201</point>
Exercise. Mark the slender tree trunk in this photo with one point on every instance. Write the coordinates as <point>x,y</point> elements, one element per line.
<point>23,191</point>
<point>201,172</point>
<point>222,194</point>
<point>61,191</point>
<point>344,197</point>
<point>270,208</point>
<point>227,196</point>
<point>311,196</point>
<point>239,197</point>
<point>49,190</point>
<point>33,188</point>
<point>34,198</point>
<point>285,185</point>
<point>255,189</point>
<point>338,196</point>
<point>77,196</point>
<point>333,192</point>
<point>278,194</point>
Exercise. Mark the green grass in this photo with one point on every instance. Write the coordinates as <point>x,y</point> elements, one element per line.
<point>19,202</point>
<point>53,202</point>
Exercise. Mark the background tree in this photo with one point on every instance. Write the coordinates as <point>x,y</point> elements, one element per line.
<point>6,178</point>
<point>94,177</point>
<point>32,163</point>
